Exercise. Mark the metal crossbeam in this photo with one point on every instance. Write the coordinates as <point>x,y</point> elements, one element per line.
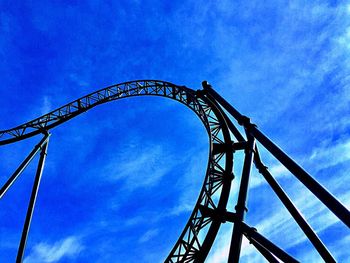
<point>317,189</point>
<point>209,212</point>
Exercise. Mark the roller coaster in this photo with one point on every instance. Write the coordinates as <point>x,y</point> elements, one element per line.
<point>220,120</point>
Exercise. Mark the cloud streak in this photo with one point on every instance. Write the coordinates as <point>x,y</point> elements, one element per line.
<point>284,65</point>
<point>68,247</point>
<point>139,169</point>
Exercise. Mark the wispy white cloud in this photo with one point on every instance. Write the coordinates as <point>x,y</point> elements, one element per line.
<point>277,171</point>
<point>340,247</point>
<point>331,154</point>
<point>69,247</point>
<point>46,106</point>
<point>152,233</point>
<point>287,64</point>
<point>326,155</point>
<point>139,169</point>
<point>220,250</point>
<point>193,178</point>
<point>276,68</point>
<point>273,227</point>
<point>279,221</point>
<point>221,247</point>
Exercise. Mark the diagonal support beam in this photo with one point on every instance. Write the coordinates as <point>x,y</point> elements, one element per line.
<point>305,227</point>
<point>23,165</point>
<point>239,137</point>
<point>317,189</point>
<point>31,205</point>
<point>251,233</point>
<point>263,251</point>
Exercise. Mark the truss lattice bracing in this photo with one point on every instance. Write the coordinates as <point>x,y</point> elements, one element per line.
<point>209,212</point>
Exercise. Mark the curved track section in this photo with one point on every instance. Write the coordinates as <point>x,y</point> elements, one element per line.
<point>199,233</point>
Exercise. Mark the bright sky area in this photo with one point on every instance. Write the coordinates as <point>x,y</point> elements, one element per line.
<point>121,180</point>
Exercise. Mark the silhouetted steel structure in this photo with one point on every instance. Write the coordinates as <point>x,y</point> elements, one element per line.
<point>210,211</point>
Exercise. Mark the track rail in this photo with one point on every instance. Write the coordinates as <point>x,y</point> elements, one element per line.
<point>199,233</point>
<point>224,139</point>
<point>81,105</point>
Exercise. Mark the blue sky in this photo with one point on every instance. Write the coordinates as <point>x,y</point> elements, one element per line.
<point>121,180</point>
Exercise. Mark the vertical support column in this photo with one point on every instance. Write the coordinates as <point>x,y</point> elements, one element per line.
<point>298,217</point>
<point>316,188</point>
<point>31,205</point>
<point>236,241</point>
<point>22,166</point>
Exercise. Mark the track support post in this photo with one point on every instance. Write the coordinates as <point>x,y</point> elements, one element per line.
<point>236,241</point>
<point>304,177</point>
<point>22,166</point>
<point>31,205</point>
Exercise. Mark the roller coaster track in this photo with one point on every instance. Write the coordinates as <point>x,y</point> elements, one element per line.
<point>217,116</point>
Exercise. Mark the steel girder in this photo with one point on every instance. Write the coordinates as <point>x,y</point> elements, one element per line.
<point>199,233</point>
<point>209,212</point>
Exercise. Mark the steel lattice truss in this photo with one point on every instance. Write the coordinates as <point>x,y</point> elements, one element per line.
<point>209,212</point>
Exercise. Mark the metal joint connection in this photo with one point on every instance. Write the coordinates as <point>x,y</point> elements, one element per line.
<point>239,146</point>
<point>210,211</point>
<point>241,207</point>
<point>214,214</point>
